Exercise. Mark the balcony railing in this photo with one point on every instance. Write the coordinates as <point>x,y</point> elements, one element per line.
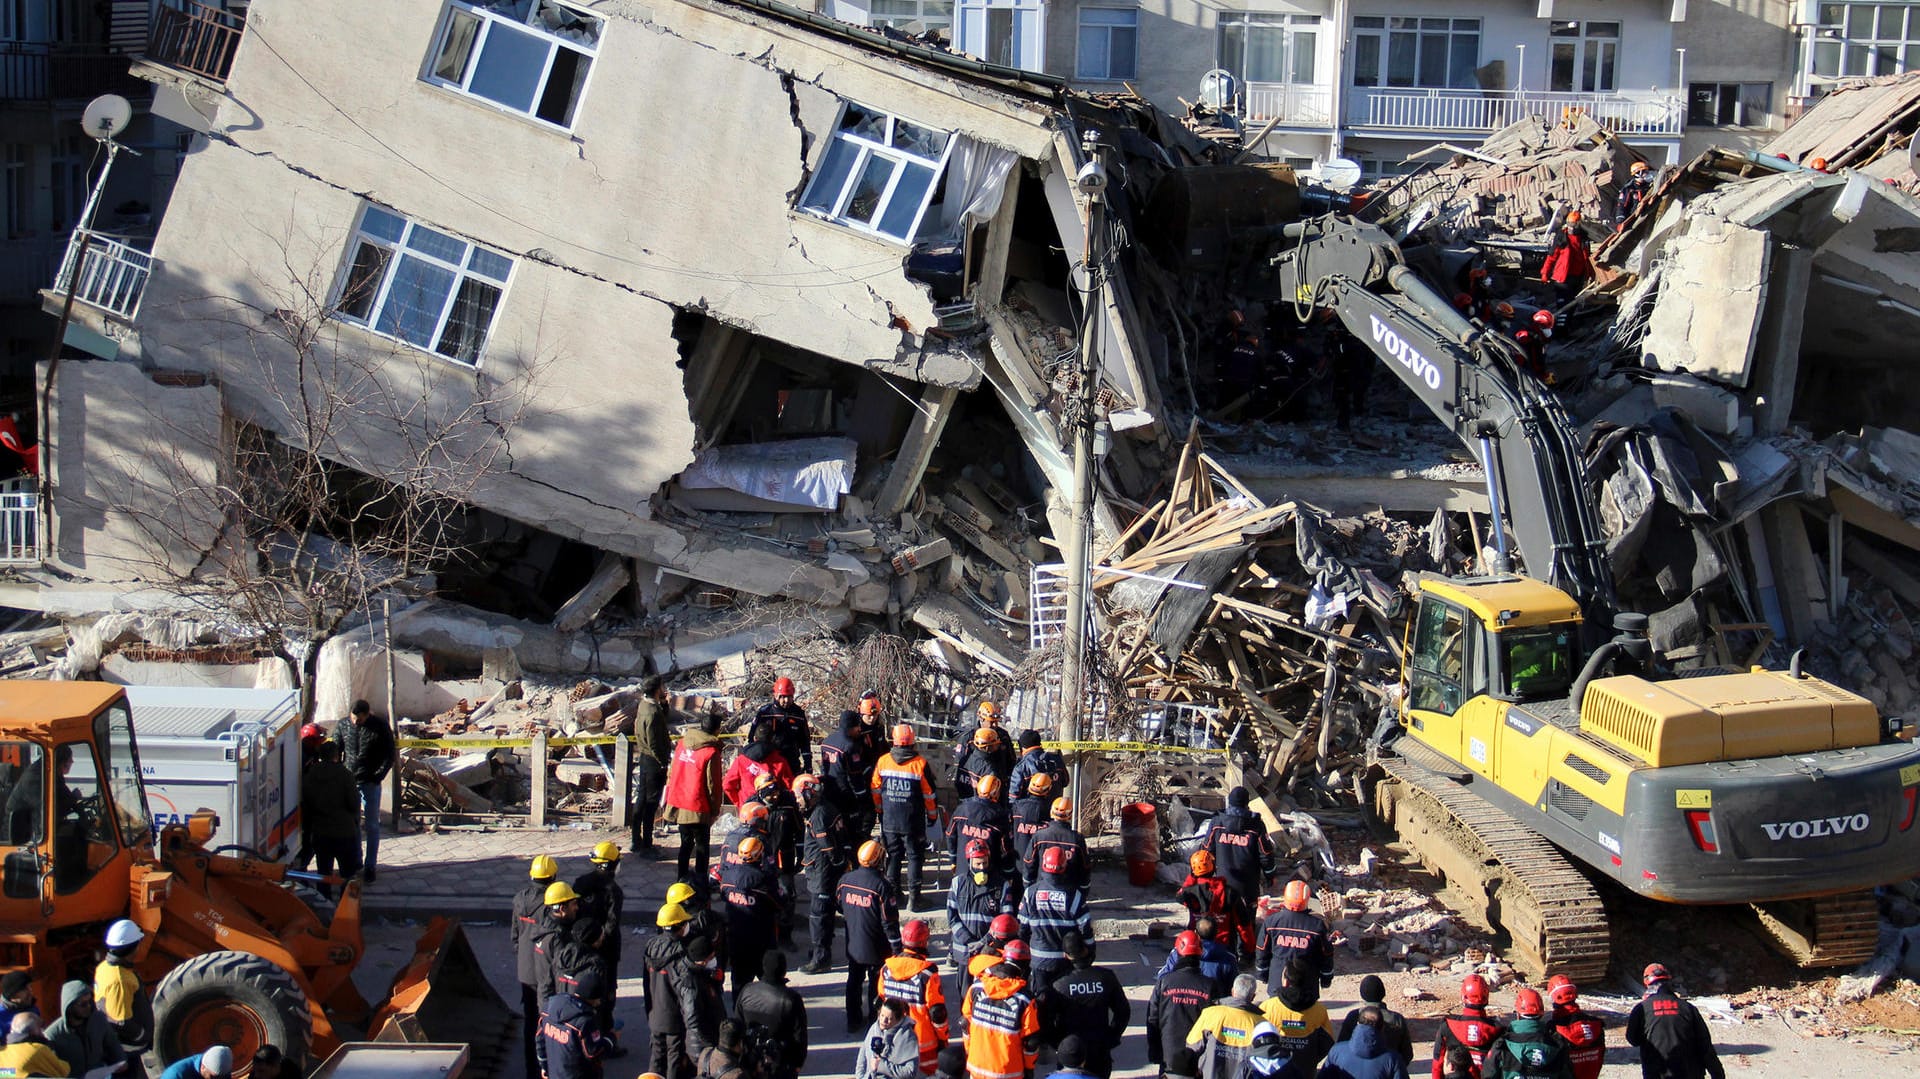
<point>194,37</point>
<point>19,522</point>
<point>112,278</point>
<point>1294,105</point>
<point>36,71</point>
<point>1657,113</point>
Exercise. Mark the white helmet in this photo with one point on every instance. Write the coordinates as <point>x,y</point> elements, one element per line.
<point>123,934</point>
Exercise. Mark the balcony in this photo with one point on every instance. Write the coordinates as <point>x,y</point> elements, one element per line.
<point>33,71</point>
<point>1292,104</point>
<point>195,38</point>
<point>113,276</point>
<point>19,522</point>
<point>1652,113</point>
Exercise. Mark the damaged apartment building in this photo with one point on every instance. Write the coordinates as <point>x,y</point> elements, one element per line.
<point>714,303</point>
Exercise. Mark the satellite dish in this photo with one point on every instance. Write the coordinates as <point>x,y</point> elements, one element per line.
<point>1217,88</point>
<point>1340,174</point>
<point>106,116</point>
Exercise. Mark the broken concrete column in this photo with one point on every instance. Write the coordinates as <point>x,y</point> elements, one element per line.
<point>609,577</point>
<point>930,417</point>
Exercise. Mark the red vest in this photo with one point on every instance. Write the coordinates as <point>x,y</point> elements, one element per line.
<point>687,779</point>
<point>1588,1040</point>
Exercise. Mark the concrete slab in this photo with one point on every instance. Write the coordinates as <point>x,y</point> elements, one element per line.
<point>1711,301</point>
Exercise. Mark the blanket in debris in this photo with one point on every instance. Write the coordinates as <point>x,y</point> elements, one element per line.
<point>802,472</point>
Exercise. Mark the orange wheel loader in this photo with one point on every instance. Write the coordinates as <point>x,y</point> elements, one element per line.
<point>233,954</point>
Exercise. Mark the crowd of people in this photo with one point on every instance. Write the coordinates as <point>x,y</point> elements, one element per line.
<point>1237,998</point>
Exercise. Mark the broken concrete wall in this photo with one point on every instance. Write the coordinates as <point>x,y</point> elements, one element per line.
<point>1713,293</point>
<point>133,462</point>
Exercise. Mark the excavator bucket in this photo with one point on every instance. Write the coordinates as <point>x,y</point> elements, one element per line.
<point>443,995</point>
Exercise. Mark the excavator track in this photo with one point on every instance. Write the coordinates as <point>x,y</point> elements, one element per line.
<point>1518,882</point>
<point>1832,931</point>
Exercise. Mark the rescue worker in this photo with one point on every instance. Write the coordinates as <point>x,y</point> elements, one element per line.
<point>1532,339</point>
<point>770,1009</point>
<point>1585,1034</point>
<point>846,772</point>
<point>1002,1023</point>
<point>312,737</point>
<point>529,909</point>
<point>983,758</point>
<point>119,994</point>
<point>823,859</point>
<point>1052,908</point>
<point>1632,193</point>
<point>673,996</point>
<point>982,954</point>
<point>1568,265</point>
<point>1030,814</point>
<point>758,759</point>
<point>702,920</point>
<point>952,1065</point>
<point>870,905</point>
<point>997,750</point>
<point>82,1037</point>
<point>709,1008</point>
<point>1365,1056</point>
<point>602,902</point>
<point>785,829</point>
<point>785,724</point>
<point>1217,961</point>
<point>979,894</point>
<point>1087,1002</point>
<point>574,1038</point>
<point>693,794</point>
<point>1306,1034</point>
<point>1293,930</point>
<point>1223,1035</point>
<point>1529,1047</point>
<point>1078,868</point>
<point>1178,999</point>
<point>563,944</point>
<point>1036,760</point>
<point>1206,896</point>
<point>652,751</point>
<point>1245,858</point>
<point>1393,1025</point>
<point>1471,1026</point>
<point>330,808</point>
<point>891,1048</point>
<point>911,978</point>
<point>1266,1060</point>
<point>982,818</point>
<point>873,726</point>
<point>751,891</point>
<point>1672,1038</point>
<point>727,1057</point>
<point>903,797</point>
<point>27,1051</point>
<point>750,822</point>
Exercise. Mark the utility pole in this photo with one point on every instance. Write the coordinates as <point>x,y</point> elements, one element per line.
<point>1092,182</point>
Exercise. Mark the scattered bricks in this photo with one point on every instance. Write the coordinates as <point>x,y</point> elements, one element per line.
<point>921,557</point>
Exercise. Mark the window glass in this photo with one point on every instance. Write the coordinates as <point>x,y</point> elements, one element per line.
<point>510,67</point>
<point>415,300</point>
<point>878,174</point>
<point>457,46</point>
<point>1366,60</point>
<point>916,182</point>
<point>831,177</point>
<point>439,293</point>
<point>113,729</point>
<point>83,838</point>
<point>870,188</point>
<point>23,781</point>
<point>1538,663</point>
<point>1439,658</point>
<point>530,56</point>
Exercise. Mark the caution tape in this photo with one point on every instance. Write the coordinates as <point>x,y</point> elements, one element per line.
<point>1127,747</point>
<point>609,739</point>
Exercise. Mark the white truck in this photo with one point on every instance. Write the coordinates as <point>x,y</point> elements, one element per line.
<point>234,751</point>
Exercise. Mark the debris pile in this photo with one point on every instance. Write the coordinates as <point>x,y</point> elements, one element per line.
<point>1521,180</point>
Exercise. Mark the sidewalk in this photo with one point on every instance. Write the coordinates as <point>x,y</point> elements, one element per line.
<point>473,872</point>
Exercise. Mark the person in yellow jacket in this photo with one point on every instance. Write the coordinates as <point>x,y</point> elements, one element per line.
<point>912,979</point>
<point>1223,1035</point>
<point>1297,1014</point>
<point>1002,1031</point>
<point>27,1053</point>
<point>118,992</point>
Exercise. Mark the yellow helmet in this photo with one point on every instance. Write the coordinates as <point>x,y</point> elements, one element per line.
<point>1063,809</point>
<point>559,892</point>
<point>671,914</point>
<point>680,891</point>
<point>606,851</point>
<point>989,710</point>
<point>544,868</point>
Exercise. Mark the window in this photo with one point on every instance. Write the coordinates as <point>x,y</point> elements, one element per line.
<point>1269,48</point>
<point>1582,57</point>
<point>879,173</point>
<point>1854,40</point>
<point>422,286</point>
<point>1537,663</point>
<point>529,56</point>
<point>23,779</point>
<point>1109,43</point>
<point>83,839</point>
<point>914,16</point>
<point>1730,104</point>
<point>1439,658</point>
<point>13,197</point>
<point>1406,51</point>
<point>113,731</point>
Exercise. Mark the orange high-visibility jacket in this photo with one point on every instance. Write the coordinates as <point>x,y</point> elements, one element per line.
<point>914,981</point>
<point>1002,1032</point>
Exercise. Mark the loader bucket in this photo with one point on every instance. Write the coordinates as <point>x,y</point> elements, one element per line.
<point>443,995</point>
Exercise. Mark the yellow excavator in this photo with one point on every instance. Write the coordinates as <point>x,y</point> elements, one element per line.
<point>234,953</point>
<point>1531,759</point>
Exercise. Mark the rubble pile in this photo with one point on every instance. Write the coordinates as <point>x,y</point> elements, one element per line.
<point>1520,180</point>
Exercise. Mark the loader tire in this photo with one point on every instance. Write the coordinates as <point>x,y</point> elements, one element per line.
<point>234,999</point>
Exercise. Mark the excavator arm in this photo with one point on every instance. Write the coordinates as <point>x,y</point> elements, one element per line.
<point>1470,378</point>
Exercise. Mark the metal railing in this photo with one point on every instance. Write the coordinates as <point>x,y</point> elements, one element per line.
<point>19,521</point>
<point>196,37</point>
<point>1292,104</point>
<point>1660,113</point>
<point>36,71</point>
<point>113,276</point>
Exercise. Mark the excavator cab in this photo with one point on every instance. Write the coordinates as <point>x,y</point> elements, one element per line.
<point>1510,638</point>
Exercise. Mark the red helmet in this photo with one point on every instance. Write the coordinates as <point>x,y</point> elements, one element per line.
<point>1655,972</point>
<point>977,848</point>
<point>1187,944</point>
<point>902,734</point>
<point>312,733</point>
<point>870,704</point>
<point>783,686</point>
<point>1473,990</point>
<point>1526,1004</point>
<point>915,935</point>
<point>1562,991</point>
<point>1053,860</point>
<point>1543,318</point>
<point>1004,926</point>
<point>1016,951</point>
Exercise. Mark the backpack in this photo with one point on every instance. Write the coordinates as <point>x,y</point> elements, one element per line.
<point>765,1055</point>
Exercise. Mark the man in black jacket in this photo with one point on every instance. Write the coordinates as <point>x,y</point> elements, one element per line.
<point>1060,833</point>
<point>674,1018</point>
<point>778,1011</point>
<point>845,772</point>
<point>823,859</point>
<point>573,1038</point>
<point>1293,930</point>
<point>1036,760</point>
<point>1245,856</point>
<point>871,906</point>
<point>751,893</point>
<point>785,722</point>
<point>366,748</point>
<point>1672,1038</point>
<point>1178,1000</point>
<point>529,913</point>
<point>563,945</point>
<point>1088,1002</point>
<point>602,902</point>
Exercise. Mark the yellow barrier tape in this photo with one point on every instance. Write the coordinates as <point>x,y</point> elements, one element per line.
<point>609,739</point>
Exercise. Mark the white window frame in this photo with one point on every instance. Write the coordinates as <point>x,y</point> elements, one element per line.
<point>1384,27</point>
<point>396,249</point>
<point>1082,27</point>
<point>1745,114</point>
<point>1294,29</point>
<point>1601,46</point>
<point>835,209</point>
<point>488,20</point>
<point>912,15</point>
<point>1877,51</point>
